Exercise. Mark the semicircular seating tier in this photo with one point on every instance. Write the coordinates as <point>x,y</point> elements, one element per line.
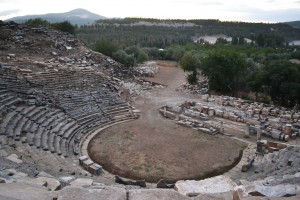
<point>56,110</point>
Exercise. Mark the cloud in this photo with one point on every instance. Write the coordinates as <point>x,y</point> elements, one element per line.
<point>9,12</point>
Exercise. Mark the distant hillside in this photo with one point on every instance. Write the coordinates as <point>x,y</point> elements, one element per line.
<point>294,24</point>
<point>77,16</point>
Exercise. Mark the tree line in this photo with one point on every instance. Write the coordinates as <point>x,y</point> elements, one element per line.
<point>163,33</point>
<point>62,26</point>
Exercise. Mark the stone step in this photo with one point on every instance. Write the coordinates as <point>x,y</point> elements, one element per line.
<point>57,145</point>
<point>51,142</point>
<point>4,123</point>
<point>66,127</point>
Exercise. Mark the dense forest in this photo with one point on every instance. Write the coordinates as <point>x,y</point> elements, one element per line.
<point>162,33</point>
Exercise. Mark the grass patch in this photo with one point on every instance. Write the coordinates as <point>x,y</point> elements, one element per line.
<point>147,167</point>
<point>127,135</point>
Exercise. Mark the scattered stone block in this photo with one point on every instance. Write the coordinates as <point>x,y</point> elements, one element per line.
<point>282,190</point>
<point>287,130</point>
<point>95,169</point>
<point>17,191</point>
<point>66,180</point>
<point>123,181</point>
<point>82,159</point>
<point>14,158</point>
<point>211,112</point>
<point>87,163</point>
<point>156,194</point>
<point>216,196</point>
<point>80,182</point>
<point>163,184</point>
<point>219,113</point>
<point>232,117</point>
<point>51,183</point>
<point>218,184</point>
<point>79,193</point>
<point>44,174</point>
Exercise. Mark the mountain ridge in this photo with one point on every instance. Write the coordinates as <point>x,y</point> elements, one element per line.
<point>77,16</point>
<point>294,24</point>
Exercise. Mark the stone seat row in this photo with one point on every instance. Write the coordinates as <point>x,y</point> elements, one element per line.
<point>51,129</point>
<point>44,128</point>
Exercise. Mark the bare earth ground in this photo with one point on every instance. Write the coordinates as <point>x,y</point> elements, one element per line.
<point>153,147</point>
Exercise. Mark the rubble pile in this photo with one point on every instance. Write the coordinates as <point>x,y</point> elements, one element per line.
<point>267,120</point>
<point>139,87</point>
<point>29,40</point>
<point>200,88</point>
<point>280,165</point>
<point>188,117</point>
<point>147,69</point>
<point>42,49</point>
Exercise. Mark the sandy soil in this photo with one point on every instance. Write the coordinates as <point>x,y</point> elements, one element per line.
<point>153,147</point>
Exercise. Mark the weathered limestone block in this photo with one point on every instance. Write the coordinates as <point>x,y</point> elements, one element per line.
<point>183,117</point>
<point>265,111</point>
<point>204,109</point>
<point>17,191</point>
<point>249,113</point>
<point>95,169</point>
<point>272,122</point>
<point>212,185</point>
<point>220,101</point>
<point>50,183</point>
<point>87,163</point>
<point>211,112</point>
<point>65,180</point>
<point>287,130</point>
<point>44,174</point>
<point>276,134</point>
<point>205,97</point>
<point>124,181</point>
<point>79,193</point>
<point>258,132</point>
<point>296,116</point>
<point>261,146</point>
<point>247,129</point>
<point>217,196</point>
<point>167,114</point>
<point>282,190</point>
<point>219,113</point>
<point>225,115</point>
<point>232,117</point>
<point>163,184</point>
<point>14,158</point>
<point>252,121</point>
<point>82,159</point>
<point>191,113</point>
<point>82,182</point>
<point>155,194</point>
<point>257,111</point>
<point>286,116</point>
<point>244,107</point>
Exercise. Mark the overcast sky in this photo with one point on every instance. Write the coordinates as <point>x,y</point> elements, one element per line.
<point>225,10</point>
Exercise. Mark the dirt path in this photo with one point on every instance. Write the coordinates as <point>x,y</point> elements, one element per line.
<point>153,147</point>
